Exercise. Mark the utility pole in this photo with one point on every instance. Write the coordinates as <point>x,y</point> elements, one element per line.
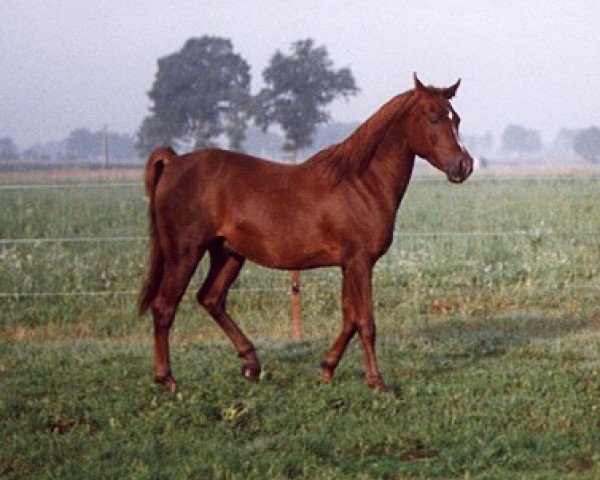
<point>105,146</point>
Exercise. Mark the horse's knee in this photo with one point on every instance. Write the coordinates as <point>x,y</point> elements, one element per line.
<point>163,314</point>
<point>204,301</point>
<point>211,303</point>
<point>367,330</point>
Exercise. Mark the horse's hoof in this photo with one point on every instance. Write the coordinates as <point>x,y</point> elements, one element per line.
<point>168,382</point>
<point>379,387</point>
<point>325,378</point>
<point>251,371</point>
<point>382,388</point>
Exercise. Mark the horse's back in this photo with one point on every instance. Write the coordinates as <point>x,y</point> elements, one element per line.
<point>223,168</point>
<point>216,186</point>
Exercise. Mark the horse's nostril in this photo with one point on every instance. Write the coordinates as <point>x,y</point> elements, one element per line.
<point>466,166</point>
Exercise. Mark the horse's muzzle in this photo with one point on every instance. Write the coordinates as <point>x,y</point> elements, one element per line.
<point>459,171</point>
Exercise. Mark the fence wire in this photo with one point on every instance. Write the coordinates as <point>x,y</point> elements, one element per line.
<point>396,258</point>
<point>478,233</point>
<point>281,291</point>
<point>535,233</point>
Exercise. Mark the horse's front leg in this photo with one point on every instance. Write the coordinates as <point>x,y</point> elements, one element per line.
<point>357,308</point>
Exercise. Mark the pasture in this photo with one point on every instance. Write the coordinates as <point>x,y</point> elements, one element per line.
<point>488,330</point>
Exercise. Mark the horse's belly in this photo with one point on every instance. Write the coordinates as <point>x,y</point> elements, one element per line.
<point>283,251</point>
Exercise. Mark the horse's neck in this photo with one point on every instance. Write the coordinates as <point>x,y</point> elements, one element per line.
<point>384,149</point>
<point>375,154</point>
<point>390,166</point>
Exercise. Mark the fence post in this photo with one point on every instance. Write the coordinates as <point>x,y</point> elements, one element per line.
<point>295,290</point>
<point>296,306</point>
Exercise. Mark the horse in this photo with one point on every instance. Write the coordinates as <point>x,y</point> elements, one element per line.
<point>338,208</point>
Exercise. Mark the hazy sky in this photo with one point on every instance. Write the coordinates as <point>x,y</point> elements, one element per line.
<point>66,64</point>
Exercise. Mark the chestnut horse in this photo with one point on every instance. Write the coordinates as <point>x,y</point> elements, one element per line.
<point>336,209</point>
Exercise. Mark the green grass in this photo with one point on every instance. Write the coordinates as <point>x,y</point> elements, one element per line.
<point>490,342</point>
<point>490,410</point>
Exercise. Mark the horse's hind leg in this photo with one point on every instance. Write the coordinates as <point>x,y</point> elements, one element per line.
<point>224,268</point>
<point>177,274</point>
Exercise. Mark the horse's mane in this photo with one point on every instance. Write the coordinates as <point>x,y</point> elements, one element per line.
<point>353,154</point>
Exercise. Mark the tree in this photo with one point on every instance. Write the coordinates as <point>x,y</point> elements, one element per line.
<point>8,149</point>
<point>299,87</point>
<point>520,140</point>
<point>152,133</point>
<point>587,144</point>
<point>563,143</point>
<point>199,93</point>
<point>82,144</point>
<point>120,146</point>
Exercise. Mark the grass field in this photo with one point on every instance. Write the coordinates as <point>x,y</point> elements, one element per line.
<point>488,318</point>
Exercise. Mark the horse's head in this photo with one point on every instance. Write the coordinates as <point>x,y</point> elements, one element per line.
<point>433,131</point>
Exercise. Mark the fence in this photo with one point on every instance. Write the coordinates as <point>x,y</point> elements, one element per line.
<point>36,242</point>
<point>434,263</point>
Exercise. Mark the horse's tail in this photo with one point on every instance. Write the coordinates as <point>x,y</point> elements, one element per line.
<point>154,168</point>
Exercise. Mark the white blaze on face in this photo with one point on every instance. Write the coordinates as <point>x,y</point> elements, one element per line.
<point>455,130</point>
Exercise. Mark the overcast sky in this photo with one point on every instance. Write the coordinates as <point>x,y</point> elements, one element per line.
<point>66,64</point>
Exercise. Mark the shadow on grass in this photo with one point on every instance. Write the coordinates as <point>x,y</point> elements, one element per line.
<point>435,346</point>
<point>497,333</point>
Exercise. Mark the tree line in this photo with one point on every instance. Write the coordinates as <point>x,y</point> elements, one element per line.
<point>201,97</point>
<point>202,93</point>
<point>516,141</point>
<point>519,141</point>
<point>81,144</point>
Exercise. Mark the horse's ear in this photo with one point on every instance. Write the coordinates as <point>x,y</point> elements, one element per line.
<point>418,85</point>
<point>451,91</point>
